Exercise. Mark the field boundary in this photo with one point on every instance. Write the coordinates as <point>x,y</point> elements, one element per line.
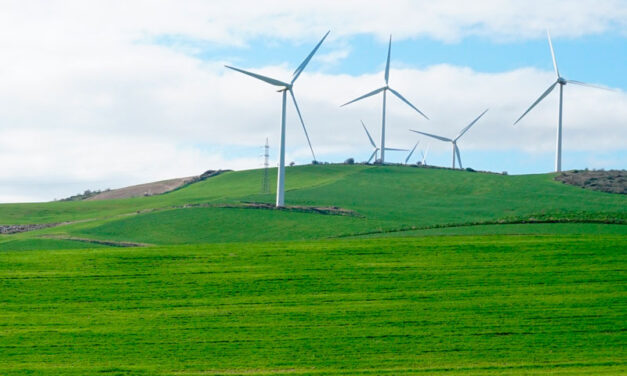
<point>530,220</point>
<point>324,210</point>
<point>110,243</point>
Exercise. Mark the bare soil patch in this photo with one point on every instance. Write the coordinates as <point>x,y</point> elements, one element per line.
<point>325,210</point>
<point>611,181</point>
<point>14,229</point>
<point>155,188</point>
<point>147,189</point>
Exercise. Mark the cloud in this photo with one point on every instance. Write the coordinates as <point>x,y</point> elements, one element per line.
<point>333,57</point>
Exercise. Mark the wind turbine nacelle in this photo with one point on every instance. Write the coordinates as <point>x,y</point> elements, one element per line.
<point>561,81</point>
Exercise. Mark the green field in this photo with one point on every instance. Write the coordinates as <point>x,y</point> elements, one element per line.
<point>433,272</point>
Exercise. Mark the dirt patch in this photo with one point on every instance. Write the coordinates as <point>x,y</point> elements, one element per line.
<point>14,229</point>
<point>325,210</point>
<point>611,181</point>
<point>140,190</point>
<point>155,188</point>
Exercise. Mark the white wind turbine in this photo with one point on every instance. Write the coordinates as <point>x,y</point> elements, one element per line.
<point>424,155</point>
<point>376,148</point>
<point>454,140</point>
<point>412,151</point>
<point>384,89</point>
<point>561,81</point>
<point>285,87</point>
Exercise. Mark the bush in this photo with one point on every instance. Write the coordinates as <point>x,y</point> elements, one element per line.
<point>349,161</point>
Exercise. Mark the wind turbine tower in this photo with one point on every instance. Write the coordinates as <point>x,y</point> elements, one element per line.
<point>376,148</point>
<point>561,81</point>
<point>284,88</point>
<point>453,141</point>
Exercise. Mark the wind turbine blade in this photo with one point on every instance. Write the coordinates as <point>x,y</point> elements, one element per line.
<point>406,101</point>
<point>590,85</point>
<point>411,152</point>
<point>373,154</point>
<point>302,65</point>
<point>433,136</point>
<point>537,101</point>
<point>393,149</point>
<point>269,80</point>
<point>303,124</point>
<point>368,133</point>
<point>461,133</point>
<point>557,72</point>
<point>387,64</point>
<point>459,158</point>
<point>365,96</point>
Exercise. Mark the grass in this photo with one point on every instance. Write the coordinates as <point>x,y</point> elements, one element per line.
<point>509,229</point>
<point>388,199</point>
<point>515,305</point>
<point>240,291</point>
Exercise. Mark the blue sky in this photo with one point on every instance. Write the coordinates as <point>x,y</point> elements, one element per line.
<point>599,58</point>
<point>96,98</point>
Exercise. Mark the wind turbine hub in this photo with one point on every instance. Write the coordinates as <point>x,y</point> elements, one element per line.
<point>561,81</point>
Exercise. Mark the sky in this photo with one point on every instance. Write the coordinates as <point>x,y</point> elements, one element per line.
<point>105,94</point>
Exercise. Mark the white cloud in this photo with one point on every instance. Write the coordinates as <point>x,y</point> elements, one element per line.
<point>333,57</point>
<point>88,103</point>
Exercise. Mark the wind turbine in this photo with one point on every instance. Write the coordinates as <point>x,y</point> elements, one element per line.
<point>285,87</point>
<point>561,81</point>
<point>454,140</point>
<point>384,89</point>
<point>411,152</point>
<point>376,148</point>
<point>424,155</point>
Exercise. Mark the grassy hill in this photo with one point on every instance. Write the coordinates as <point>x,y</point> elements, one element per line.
<point>384,199</point>
<point>533,283</point>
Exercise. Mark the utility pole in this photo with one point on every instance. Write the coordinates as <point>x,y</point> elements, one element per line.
<point>265,187</point>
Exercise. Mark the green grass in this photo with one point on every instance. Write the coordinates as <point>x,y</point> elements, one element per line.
<point>388,199</point>
<point>510,229</point>
<point>242,291</point>
<point>515,305</point>
<point>219,225</point>
<point>43,244</point>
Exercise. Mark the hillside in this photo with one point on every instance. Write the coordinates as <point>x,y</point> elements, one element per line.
<point>383,199</point>
<point>358,276</point>
<point>390,199</point>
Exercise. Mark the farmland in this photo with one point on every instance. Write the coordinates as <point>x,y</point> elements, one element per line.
<point>431,272</point>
